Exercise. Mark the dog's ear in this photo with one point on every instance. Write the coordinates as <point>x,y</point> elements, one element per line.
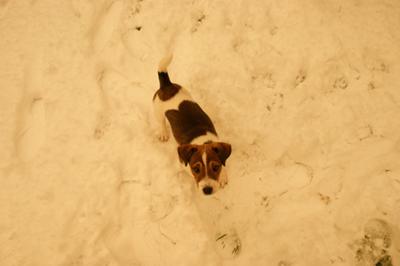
<point>186,151</point>
<point>223,151</point>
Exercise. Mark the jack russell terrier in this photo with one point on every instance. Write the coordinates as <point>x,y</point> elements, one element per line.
<point>199,148</point>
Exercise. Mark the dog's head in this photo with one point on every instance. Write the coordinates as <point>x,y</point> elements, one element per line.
<point>207,164</point>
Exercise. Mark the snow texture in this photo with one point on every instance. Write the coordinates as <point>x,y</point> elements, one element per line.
<point>307,93</point>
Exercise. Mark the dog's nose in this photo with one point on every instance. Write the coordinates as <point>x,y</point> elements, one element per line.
<point>207,190</point>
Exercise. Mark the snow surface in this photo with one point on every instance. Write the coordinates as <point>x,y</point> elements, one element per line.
<point>307,93</point>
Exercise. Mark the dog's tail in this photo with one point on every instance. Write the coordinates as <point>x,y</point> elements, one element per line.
<point>163,72</point>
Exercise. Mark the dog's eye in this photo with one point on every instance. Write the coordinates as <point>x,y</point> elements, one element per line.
<point>196,169</point>
<point>215,149</point>
<point>215,168</point>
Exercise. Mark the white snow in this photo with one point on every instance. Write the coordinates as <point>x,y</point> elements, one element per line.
<point>307,93</point>
<point>31,126</point>
<point>104,29</point>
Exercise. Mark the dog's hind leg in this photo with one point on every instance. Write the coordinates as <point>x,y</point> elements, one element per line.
<point>162,131</point>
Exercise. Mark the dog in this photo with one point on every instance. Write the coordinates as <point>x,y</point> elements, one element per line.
<point>199,148</point>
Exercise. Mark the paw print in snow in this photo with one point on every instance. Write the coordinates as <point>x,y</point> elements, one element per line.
<point>300,78</point>
<point>102,126</point>
<point>198,20</point>
<point>228,244</point>
<point>372,249</point>
<point>340,83</point>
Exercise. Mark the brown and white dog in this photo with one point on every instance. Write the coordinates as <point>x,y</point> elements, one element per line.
<point>199,148</point>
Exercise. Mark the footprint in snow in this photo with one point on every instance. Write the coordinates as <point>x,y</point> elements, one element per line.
<point>102,125</point>
<point>340,83</point>
<point>228,244</point>
<point>372,249</point>
<point>198,19</point>
<point>300,78</point>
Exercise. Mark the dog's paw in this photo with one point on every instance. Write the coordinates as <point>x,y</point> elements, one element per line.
<point>163,136</point>
<point>223,180</point>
